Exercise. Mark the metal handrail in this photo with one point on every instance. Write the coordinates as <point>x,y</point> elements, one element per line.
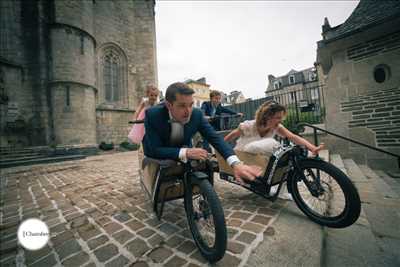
<point>315,128</point>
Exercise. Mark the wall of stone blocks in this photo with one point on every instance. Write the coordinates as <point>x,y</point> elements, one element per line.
<point>74,123</point>
<point>19,106</point>
<point>375,120</point>
<point>69,63</point>
<point>379,112</point>
<point>357,105</point>
<point>113,126</point>
<point>73,34</point>
<point>25,71</point>
<point>373,47</point>
<point>78,14</point>
<point>146,44</point>
<point>361,73</point>
<point>130,26</point>
<point>73,73</point>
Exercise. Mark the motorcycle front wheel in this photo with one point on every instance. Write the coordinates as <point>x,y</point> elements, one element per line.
<point>325,194</point>
<point>206,219</point>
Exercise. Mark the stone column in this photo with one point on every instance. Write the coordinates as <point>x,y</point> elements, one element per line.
<point>72,80</point>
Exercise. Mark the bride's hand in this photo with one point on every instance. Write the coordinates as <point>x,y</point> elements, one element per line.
<point>318,148</point>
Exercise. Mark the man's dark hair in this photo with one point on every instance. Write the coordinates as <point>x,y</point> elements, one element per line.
<point>177,88</point>
<point>214,93</point>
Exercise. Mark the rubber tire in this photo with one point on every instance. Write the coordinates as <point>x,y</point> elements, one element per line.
<point>352,206</point>
<point>215,253</point>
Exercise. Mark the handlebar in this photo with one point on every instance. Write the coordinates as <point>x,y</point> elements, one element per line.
<point>198,164</point>
<point>226,116</point>
<point>219,117</point>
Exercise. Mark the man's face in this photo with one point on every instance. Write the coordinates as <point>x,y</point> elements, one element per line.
<point>215,100</point>
<point>181,109</point>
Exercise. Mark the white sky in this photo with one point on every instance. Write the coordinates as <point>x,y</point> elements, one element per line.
<point>236,44</point>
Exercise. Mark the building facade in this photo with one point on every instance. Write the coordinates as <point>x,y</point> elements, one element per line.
<point>72,72</point>
<point>359,62</point>
<point>234,97</point>
<point>301,86</point>
<point>201,91</point>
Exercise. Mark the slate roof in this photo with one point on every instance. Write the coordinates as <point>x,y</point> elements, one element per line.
<point>367,14</point>
<point>292,71</point>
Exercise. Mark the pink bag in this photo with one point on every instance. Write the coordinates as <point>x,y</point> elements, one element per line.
<point>137,132</point>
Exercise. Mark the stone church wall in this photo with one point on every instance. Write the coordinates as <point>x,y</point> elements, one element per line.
<point>130,27</point>
<point>23,67</point>
<point>74,116</point>
<point>51,61</point>
<point>112,125</point>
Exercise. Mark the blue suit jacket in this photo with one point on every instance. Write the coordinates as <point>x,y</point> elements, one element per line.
<point>156,142</point>
<point>206,107</point>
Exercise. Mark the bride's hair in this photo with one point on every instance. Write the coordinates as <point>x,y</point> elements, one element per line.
<point>266,111</point>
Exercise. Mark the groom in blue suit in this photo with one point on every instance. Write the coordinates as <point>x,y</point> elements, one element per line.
<point>170,127</point>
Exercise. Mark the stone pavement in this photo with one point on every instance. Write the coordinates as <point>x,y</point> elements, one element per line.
<point>99,216</point>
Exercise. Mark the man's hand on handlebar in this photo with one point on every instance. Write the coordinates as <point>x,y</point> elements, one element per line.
<point>248,172</point>
<point>196,153</point>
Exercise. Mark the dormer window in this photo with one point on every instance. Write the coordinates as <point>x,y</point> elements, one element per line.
<point>312,76</point>
<point>277,84</point>
<point>292,79</point>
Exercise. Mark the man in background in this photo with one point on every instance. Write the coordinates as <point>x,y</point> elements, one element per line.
<point>214,108</point>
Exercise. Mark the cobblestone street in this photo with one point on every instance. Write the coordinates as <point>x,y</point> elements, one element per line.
<point>99,216</point>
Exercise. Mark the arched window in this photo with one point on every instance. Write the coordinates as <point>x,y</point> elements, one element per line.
<point>110,76</point>
<point>113,76</point>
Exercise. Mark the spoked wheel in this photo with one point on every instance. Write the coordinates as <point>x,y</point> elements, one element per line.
<point>206,220</point>
<point>325,194</point>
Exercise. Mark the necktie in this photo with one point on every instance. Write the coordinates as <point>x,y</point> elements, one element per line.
<point>177,133</point>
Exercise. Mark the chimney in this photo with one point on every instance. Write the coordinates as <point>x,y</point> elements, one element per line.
<point>271,78</point>
<point>326,27</point>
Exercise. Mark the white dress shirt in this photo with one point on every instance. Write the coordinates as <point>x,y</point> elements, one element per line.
<point>177,133</point>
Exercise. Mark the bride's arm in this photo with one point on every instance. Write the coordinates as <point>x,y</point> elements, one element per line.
<point>233,135</point>
<point>299,140</point>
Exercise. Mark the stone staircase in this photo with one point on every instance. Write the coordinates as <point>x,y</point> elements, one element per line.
<point>374,240</point>
<point>11,157</point>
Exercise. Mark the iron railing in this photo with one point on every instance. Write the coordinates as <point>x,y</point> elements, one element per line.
<point>304,104</point>
<point>316,129</point>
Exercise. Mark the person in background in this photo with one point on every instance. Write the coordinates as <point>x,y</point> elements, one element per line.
<point>149,100</point>
<point>137,132</point>
<point>213,108</point>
